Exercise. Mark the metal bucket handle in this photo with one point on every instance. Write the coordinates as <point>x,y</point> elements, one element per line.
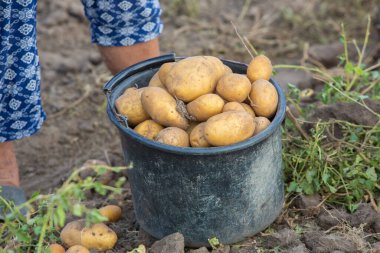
<point>130,71</point>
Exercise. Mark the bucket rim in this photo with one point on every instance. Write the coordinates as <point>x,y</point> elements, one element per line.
<point>269,131</point>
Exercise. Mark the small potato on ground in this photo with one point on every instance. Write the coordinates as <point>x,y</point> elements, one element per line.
<point>129,104</point>
<point>164,70</point>
<point>259,68</point>
<point>162,107</point>
<point>197,137</point>
<point>264,98</point>
<point>111,212</point>
<point>77,249</point>
<point>71,233</point>
<point>229,128</point>
<point>233,87</point>
<point>99,237</point>
<point>233,106</point>
<point>173,136</point>
<point>205,106</point>
<point>56,248</point>
<point>261,124</point>
<point>156,82</point>
<point>149,129</point>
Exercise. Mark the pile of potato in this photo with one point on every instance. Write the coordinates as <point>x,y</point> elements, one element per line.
<point>199,102</point>
<point>81,239</point>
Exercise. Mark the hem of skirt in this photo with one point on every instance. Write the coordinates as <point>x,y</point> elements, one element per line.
<point>26,136</point>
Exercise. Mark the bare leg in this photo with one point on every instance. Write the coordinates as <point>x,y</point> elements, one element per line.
<point>118,58</point>
<point>9,174</point>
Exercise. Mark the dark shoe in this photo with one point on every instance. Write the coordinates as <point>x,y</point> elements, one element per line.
<point>14,194</point>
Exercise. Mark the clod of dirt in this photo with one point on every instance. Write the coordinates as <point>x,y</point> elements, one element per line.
<point>326,54</point>
<point>55,18</point>
<point>145,238</point>
<point>301,248</point>
<point>376,224</point>
<point>376,247</point>
<point>88,171</point>
<point>330,218</point>
<point>318,242</point>
<point>308,204</point>
<point>63,64</point>
<point>365,214</point>
<point>282,238</point>
<point>174,243</point>
<point>75,9</point>
<point>200,250</point>
<point>223,249</point>
<point>301,79</point>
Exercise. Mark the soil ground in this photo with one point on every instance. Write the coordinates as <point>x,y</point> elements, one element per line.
<point>77,128</point>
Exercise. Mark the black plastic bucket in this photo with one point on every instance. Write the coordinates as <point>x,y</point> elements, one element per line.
<point>229,192</point>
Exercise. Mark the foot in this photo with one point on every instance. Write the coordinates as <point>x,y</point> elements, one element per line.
<point>9,174</point>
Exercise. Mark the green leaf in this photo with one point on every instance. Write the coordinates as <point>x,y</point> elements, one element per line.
<point>292,187</point>
<point>61,215</point>
<point>371,174</point>
<point>77,210</point>
<point>214,242</point>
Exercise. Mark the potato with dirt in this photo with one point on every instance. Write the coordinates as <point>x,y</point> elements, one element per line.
<point>111,212</point>
<point>233,87</point>
<point>99,237</point>
<point>205,107</point>
<point>149,129</point>
<point>233,106</point>
<point>259,68</point>
<point>229,128</point>
<point>197,137</point>
<point>71,233</point>
<point>129,104</point>
<point>77,249</point>
<point>264,98</point>
<point>261,124</point>
<point>162,108</point>
<point>193,77</point>
<point>56,248</point>
<point>164,70</point>
<point>156,82</point>
<point>173,136</point>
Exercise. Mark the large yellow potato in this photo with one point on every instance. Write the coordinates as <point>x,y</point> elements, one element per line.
<point>173,136</point>
<point>162,107</point>
<point>99,237</point>
<point>261,124</point>
<point>193,77</point>
<point>205,106</point>
<point>56,248</point>
<point>71,233</point>
<point>111,212</point>
<point>259,68</point>
<point>156,82</point>
<point>129,104</point>
<point>77,249</point>
<point>149,129</point>
<point>197,136</point>
<point>228,128</point>
<point>164,70</point>
<point>233,106</point>
<point>264,98</point>
<point>233,87</point>
<point>248,109</point>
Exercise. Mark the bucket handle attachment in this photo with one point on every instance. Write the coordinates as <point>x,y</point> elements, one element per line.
<point>130,71</point>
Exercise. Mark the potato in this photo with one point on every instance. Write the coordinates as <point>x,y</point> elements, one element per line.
<point>77,249</point>
<point>56,248</point>
<point>248,109</point>
<point>228,128</point>
<point>264,98</point>
<point>71,233</point>
<point>149,129</point>
<point>197,136</point>
<point>111,212</point>
<point>164,70</point>
<point>129,104</point>
<point>205,106</point>
<point>259,68</point>
<point>155,81</point>
<point>99,237</point>
<point>261,124</point>
<point>162,107</point>
<point>192,125</point>
<point>233,87</point>
<point>193,77</point>
<point>233,106</point>
<point>173,136</point>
